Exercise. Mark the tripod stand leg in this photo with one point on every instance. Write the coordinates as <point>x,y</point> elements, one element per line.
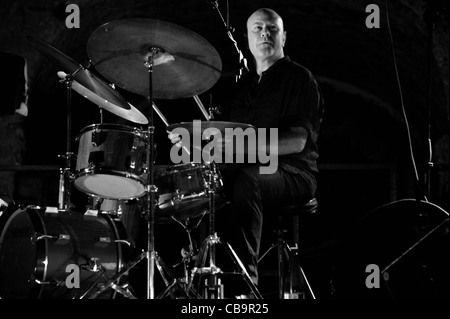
<point>244,272</point>
<point>112,281</point>
<point>307,284</point>
<point>213,283</point>
<point>201,260</point>
<point>303,284</point>
<point>170,282</point>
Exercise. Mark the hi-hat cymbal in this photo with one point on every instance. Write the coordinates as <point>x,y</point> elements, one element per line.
<point>184,63</point>
<point>197,127</point>
<point>89,85</point>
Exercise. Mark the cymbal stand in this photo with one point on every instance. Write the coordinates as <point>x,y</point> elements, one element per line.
<point>151,188</point>
<point>150,254</point>
<point>65,178</point>
<point>213,286</point>
<point>189,254</point>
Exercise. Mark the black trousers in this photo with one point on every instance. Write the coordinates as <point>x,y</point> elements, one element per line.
<point>249,192</point>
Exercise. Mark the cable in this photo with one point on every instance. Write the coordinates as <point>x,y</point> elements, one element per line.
<point>401,97</point>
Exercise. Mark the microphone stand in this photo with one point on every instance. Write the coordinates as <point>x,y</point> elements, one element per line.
<point>430,16</point>
<point>243,68</point>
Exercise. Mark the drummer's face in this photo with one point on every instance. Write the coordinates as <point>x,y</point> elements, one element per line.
<point>266,35</point>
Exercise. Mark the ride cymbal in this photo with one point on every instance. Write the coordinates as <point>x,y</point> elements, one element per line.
<point>184,63</point>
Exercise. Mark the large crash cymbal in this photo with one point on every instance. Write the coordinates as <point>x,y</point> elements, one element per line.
<point>89,85</point>
<point>184,65</point>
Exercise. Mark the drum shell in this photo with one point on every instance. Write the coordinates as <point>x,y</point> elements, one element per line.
<point>182,190</point>
<point>36,247</point>
<point>111,161</point>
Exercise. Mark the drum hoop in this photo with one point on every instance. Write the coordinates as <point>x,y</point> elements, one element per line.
<point>177,168</point>
<point>41,266</point>
<point>87,172</point>
<point>112,127</point>
<point>95,171</point>
<point>118,234</point>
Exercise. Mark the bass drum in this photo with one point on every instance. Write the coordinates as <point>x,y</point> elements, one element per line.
<point>39,250</point>
<point>397,251</point>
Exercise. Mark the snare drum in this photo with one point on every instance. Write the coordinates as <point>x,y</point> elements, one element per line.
<point>183,190</point>
<point>39,250</point>
<point>111,161</point>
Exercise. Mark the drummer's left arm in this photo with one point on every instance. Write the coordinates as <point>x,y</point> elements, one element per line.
<point>289,142</point>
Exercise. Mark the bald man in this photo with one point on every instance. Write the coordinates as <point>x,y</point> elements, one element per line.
<point>277,93</point>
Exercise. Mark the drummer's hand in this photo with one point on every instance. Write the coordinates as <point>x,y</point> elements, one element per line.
<point>174,138</point>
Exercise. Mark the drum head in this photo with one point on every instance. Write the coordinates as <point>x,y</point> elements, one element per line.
<point>18,254</point>
<point>110,186</point>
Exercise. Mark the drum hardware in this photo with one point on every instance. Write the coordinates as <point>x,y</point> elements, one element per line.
<point>213,288</point>
<point>150,254</point>
<point>64,203</point>
<point>93,265</point>
<point>182,64</point>
<point>111,161</point>
<point>60,239</point>
<point>79,78</point>
<point>51,283</point>
<point>189,253</point>
<point>123,289</point>
<point>37,246</point>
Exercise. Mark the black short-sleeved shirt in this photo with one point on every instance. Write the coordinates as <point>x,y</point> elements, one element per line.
<point>287,95</point>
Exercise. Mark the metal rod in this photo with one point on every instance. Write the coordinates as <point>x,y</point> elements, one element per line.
<point>160,114</point>
<point>202,108</point>
<point>150,185</point>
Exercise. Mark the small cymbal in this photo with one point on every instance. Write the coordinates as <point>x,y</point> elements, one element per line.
<point>197,127</point>
<point>184,63</point>
<point>132,114</point>
<point>89,85</point>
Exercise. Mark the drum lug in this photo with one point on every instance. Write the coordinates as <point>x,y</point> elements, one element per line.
<point>93,265</point>
<point>52,283</point>
<point>71,176</point>
<point>61,239</point>
<point>103,241</point>
<point>152,188</point>
<point>178,196</point>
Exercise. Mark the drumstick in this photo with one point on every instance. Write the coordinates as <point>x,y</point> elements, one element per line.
<point>202,108</point>
<point>167,123</point>
<point>160,114</point>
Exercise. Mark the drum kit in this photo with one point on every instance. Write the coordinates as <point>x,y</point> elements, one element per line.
<point>155,59</point>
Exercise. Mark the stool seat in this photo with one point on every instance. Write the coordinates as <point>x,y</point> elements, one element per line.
<point>309,207</point>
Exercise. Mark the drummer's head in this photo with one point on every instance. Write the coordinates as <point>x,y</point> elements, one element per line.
<point>265,34</point>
